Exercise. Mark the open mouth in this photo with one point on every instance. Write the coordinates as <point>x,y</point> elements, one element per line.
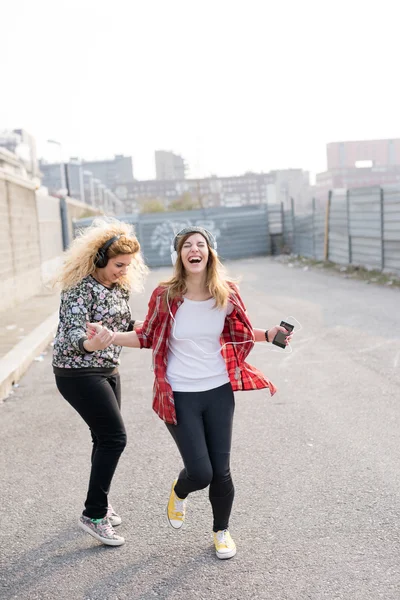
<point>195,260</point>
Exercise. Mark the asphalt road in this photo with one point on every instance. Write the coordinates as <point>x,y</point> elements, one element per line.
<point>316,467</point>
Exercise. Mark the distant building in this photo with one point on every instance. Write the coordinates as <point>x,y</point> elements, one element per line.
<point>241,190</point>
<point>81,184</point>
<point>113,171</point>
<point>169,166</point>
<point>359,164</point>
<point>380,153</point>
<point>10,163</point>
<point>53,178</point>
<point>23,145</point>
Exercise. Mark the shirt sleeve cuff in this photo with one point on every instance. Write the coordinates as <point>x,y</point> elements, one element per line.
<point>82,347</point>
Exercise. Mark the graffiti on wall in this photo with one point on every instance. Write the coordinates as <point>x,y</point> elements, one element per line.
<point>164,233</point>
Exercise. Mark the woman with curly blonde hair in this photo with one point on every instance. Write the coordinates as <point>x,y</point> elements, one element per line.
<point>101,267</point>
<point>200,334</point>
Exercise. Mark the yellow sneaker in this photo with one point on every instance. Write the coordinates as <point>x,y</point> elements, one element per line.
<point>176,509</point>
<point>225,547</point>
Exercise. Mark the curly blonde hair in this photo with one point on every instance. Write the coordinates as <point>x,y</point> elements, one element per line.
<point>80,257</point>
<point>216,282</point>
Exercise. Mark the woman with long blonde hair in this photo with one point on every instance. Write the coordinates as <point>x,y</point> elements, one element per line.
<point>101,267</point>
<point>200,334</point>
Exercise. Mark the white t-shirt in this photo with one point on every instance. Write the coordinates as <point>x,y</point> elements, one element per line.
<point>195,362</point>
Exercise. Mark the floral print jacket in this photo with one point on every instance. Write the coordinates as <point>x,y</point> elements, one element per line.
<point>89,301</point>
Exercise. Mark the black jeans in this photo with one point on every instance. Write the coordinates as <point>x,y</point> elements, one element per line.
<point>97,398</point>
<point>203,436</point>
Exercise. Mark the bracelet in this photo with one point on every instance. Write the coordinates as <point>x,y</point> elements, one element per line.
<point>266,335</point>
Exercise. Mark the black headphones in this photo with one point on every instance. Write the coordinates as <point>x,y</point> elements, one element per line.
<point>101,258</point>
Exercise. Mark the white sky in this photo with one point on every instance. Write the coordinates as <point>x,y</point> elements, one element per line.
<point>230,85</point>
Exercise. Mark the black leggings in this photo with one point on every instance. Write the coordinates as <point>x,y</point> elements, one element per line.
<point>97,398</point>
<point>203,436</point>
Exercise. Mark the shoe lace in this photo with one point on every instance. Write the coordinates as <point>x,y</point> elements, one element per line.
<point>223,537</point>
<point>179,506</point>
<point>107,528</point>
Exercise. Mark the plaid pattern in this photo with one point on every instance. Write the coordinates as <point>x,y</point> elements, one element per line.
<point>155,334</point>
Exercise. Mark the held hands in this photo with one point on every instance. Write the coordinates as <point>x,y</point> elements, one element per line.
<point>99,337</point>
<point>274,330</point>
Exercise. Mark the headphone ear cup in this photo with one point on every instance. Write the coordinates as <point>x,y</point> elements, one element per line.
<point>101,260</point>
<point>174,257</point>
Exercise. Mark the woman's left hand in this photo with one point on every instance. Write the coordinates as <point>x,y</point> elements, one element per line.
<point>93,328</point>
<point>274,330</point>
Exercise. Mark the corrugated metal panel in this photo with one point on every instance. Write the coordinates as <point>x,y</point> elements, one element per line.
<point>338,230</point>
<point>391,229</point>
<point>304,236</point>
<point>319,233</point>
<point>304,245</point>
<point>392,255</point>
<point>275,218</point>
<point>288,227</point>
<point>391,215</point>
<point>365,227</point>
<point>366,252</point>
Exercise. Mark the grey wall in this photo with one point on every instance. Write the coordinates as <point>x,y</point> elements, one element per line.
<point>239,232</point>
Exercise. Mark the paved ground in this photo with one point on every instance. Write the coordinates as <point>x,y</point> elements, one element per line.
<point>316,467</point>
<point>17,323</point>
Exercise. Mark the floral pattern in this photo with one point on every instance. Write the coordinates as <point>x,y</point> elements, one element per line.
<point>89,301</point>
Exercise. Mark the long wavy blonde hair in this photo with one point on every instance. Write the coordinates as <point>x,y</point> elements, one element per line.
<point>79,261</point>
<point>216,282</point>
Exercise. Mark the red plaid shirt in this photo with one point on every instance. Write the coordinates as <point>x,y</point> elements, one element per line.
<point>155,334</point>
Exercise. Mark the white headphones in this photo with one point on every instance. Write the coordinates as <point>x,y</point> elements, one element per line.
<point>204,232</point>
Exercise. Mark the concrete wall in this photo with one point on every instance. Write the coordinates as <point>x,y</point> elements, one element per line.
<point>20,267</point>
<point>31,240</point>
<point>50,235</point>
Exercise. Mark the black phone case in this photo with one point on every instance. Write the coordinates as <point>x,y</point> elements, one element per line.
<point>279,339</point>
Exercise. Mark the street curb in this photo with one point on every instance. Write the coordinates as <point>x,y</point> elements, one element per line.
<point>14,364</point>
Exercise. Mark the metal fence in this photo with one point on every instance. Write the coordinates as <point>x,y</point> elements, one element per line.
<point>357,227</point>
<point>240,232</point>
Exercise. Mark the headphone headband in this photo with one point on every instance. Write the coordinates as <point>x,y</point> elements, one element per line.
<point>204,232</point>
<point>108,243</point>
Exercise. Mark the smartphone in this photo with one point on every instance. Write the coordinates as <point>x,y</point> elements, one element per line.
<point>280,338</point>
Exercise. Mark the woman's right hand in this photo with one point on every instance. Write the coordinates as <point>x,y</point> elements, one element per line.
<point>98,337</point>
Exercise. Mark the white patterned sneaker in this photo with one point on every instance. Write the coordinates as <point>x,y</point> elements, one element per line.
<point>113,517</point>
<point>101,530</point>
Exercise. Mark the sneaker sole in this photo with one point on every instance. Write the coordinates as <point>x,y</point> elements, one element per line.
<point>114,522</point>
<point>180,523</point>
<point>105,541</point>
<point>224,555</point>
